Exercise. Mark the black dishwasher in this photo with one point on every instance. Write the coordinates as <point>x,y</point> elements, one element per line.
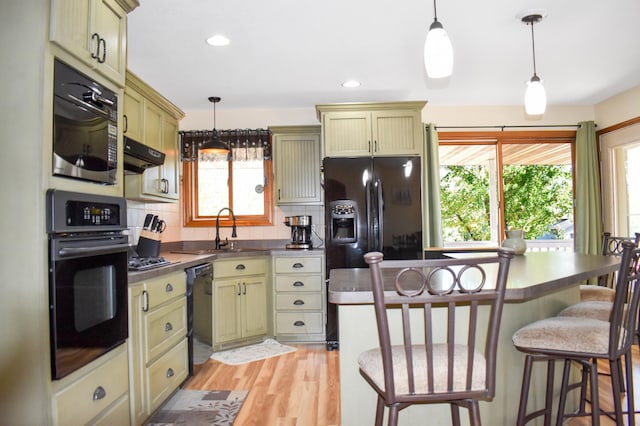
<point>199,278</point>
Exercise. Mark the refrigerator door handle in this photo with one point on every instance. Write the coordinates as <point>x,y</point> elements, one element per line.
<point>370,216</point>
<point>379,209</point>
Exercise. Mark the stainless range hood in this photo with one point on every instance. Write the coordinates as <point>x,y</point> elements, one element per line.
<point>139,157</point>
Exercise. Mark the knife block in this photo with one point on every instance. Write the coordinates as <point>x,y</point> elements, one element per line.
<point>148,244</point>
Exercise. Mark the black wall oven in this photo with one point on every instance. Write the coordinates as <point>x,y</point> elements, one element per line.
<point>87,277</point>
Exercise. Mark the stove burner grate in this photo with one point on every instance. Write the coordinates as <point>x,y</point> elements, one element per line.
<point>144,263</point>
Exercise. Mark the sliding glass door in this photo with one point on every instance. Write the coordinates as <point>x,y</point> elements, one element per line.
<point>620,156</point>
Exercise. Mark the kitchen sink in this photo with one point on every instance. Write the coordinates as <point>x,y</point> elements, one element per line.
<point>216,251</point>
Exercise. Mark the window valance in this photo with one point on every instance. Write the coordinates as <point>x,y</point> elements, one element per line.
<point>242,143</point>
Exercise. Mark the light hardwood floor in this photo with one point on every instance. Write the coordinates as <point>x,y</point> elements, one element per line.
<point>302,388</point>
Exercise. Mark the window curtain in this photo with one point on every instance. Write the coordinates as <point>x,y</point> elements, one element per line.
<point>431,204</point>
<point>588,220</point>
<point>243,144</point>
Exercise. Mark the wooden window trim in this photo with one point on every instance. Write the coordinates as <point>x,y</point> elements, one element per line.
<point>190,199</point>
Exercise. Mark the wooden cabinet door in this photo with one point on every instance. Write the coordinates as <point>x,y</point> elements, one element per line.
<point>133,115</point>
<point>347,133</point>
<point>396,133</point>
<point>297,163</point>
<point>69,27</point>
<point>137,302</point>
<point>109,21</point>
<point>170,168</point>
<point>152,177</point>
<point>227,310</point>
<point>254,300</point>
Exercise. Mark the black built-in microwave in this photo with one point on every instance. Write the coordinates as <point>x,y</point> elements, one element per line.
<point>85,131</point>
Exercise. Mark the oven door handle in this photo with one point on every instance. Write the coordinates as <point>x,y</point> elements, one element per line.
<point>75,251</point>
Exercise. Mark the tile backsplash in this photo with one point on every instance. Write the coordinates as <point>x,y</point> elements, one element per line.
<point>171,213</point>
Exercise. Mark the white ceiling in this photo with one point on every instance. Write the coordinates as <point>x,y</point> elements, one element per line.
<point>295,53</point>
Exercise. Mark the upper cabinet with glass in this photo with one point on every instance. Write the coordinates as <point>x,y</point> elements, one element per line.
<point>371,129</point>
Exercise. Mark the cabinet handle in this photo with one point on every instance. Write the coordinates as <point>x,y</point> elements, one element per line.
<point>168,288</point>
<point>279,195</point>
<point>239,290</point>
<point>95,55</point>
<point>165,185</point>
<point>298,284</point>
<point>99,393</point>
<point>375,146</point>
<point>298,265</point>
<point>240,267</point>
<point>103,58</point>
<point>145,300</point>
<point>244,288</point>
<point>298,302</point>
<point>126,123</point>
<point>168,327</point>
<point>369,142</point>
<point>298,323</point>
<point>170,373</point>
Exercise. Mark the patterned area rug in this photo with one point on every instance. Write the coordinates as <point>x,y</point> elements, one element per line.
<point>267,349</point>
<point>200,408</point>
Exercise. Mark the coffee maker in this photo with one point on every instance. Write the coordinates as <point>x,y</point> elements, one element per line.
<point>300,232</point>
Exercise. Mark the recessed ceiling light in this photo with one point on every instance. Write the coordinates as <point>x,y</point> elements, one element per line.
<point>351,83</point>
<point>218,40</point>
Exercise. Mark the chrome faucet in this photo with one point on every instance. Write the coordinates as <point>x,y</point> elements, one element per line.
<point>219,244</point>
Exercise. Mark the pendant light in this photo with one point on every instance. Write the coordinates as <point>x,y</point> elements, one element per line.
<point>438,51</point>
<point>535,97</point>
<point>214,145</point>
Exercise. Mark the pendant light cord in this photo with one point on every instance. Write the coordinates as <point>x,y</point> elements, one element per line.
<point>435,11</point>
<point>533,48</point>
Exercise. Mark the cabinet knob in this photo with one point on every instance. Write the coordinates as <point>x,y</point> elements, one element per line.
<point>299,323</point>
<point>168,288</point>
<point>99,393</point>
<point>298,302</point>
<point>170,373</point>
<point>168,327</point>
<point>298,284</point>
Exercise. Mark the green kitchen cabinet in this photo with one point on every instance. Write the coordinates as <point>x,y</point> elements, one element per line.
<point>152,120</point>
<point>93,31</point>
<point>296,153</point>
<point>240,303</point>
<point>371,129</point>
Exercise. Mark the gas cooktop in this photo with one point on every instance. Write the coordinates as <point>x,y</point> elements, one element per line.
<point>144,263</point>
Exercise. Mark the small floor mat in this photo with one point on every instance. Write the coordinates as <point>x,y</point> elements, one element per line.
<point>200,408</point>
<point>267,349</point>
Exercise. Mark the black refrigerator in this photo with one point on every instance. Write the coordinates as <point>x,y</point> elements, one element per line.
<point>371,204</point>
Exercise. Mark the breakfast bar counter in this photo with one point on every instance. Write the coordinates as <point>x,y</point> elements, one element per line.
<point>540,284</point>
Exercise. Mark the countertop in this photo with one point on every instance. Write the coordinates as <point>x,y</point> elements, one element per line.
<point>530,276</point>
<point>182,261</point>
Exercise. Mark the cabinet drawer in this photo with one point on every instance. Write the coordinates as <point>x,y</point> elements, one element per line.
<point>239,267</point>
<point>116,415</point>
<point>302,264</point>
<point>76,404</point>
<point>166,287</point>
<point>165,375</point>
<point>164,327</point>
<point>298,283</point>
<point>299,323</point>
<point>299,302</point>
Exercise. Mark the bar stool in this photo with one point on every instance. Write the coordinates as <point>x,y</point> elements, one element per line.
<point>584,341</point>
<point>604,291</point>
<point>436,363</point>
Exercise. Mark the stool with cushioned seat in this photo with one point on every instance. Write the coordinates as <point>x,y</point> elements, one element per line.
<point>446,338</point>
<point>584,340</point>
